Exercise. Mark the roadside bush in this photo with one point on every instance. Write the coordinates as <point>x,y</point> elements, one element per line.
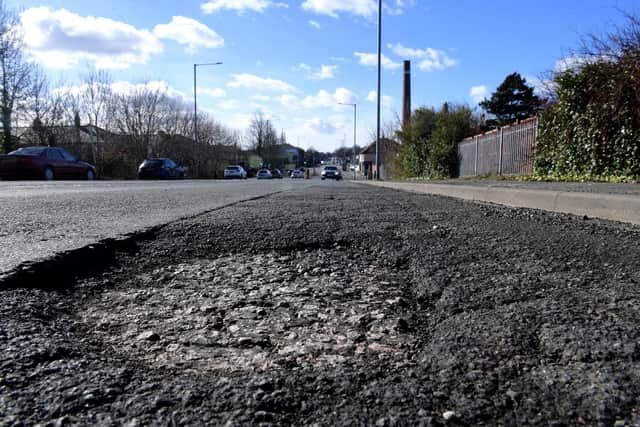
<point>430,141</point>
<point>594,127</point>
<point>414,150</point>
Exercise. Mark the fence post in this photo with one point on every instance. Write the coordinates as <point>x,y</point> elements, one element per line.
<point>475,166</point>
<point>500,156</point>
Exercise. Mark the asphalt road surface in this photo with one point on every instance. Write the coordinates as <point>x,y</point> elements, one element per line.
<point>335,304</point>
<point>40,219</point>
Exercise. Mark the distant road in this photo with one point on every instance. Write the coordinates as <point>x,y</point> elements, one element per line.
<point>40,219</point>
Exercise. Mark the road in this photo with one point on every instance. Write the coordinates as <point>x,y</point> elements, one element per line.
<point>336,304</point>
<point>40,219</point>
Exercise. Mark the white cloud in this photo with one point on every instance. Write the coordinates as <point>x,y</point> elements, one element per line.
<point>437,64</point>
<point>302,67</point>
<point>212,92</point>
<point>128,88</point>
<point>432,59</point>
<point>478,93</point>
<point>240,121</point>
<point>386,101</point>
<point>320,126</point>
<point>62,39</point>
<point>398,7</point>
<point>325,99</point>
<point>371,60</point>
<point>250,81</point>
<point>123,87</point>
<point>315,24</point>
<point>230,104</point>
<point>189,32</point>
<point>288,101</point>
<point>570,63</point>
<point>239,6</point>
<point>325,72</point>
<point>364,8</point>
<point>541,87</point>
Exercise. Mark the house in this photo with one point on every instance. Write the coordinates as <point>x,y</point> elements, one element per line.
<point>389,150</point>
<point>290,157</point>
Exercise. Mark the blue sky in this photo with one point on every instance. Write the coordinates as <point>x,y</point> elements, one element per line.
<point>296,60</point>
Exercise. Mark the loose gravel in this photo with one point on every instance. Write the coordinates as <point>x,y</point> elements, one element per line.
<point>337,305</point>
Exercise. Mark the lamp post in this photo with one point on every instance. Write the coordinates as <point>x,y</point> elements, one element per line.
<point>353,160</point>
<point>195,114</point>
<point>379,87</point>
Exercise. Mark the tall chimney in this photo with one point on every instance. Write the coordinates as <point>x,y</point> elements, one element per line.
<point>406,94</point>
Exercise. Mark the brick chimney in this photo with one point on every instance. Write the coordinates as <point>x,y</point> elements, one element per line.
<point>406,94</point>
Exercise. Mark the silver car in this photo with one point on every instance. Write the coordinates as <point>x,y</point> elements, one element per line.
<point>264,174</point>
<point>331,172</point>
<point>235,171</point>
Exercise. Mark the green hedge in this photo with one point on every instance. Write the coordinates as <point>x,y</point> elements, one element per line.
<point>594,128</point>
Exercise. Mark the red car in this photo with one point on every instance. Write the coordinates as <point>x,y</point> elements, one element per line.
<point>47,163</point>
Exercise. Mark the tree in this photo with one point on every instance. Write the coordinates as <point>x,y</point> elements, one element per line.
<point>263,138</point>
<point>257,132</point>
<point>414,151</point>
<point>138,116</point>
<point>430,141</point>
<point>513,100</point>
<point>15,72</point>
<point>42,108</point>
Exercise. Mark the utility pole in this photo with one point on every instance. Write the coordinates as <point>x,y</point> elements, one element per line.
<point>195,114</point>
<point>377,177</point>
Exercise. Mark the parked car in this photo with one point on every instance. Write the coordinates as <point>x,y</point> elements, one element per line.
<point>264,174</point>
<point>276,174</point>
<point>235,172</point>
<point>331,172</point>
<point>47,163</point>
<point>160,168</point>
<point>298,173</point>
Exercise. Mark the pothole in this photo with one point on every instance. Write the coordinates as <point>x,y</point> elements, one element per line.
<point>255,312</point>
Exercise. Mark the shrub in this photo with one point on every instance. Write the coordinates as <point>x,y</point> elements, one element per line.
<point>594,127</point>
<point>430,141</point>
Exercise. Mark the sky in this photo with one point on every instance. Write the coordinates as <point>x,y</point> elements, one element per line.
<point>296,61</point>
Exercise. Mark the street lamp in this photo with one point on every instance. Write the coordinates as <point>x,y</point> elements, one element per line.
<point>353,160</point>
<point>195,114</point>
<point>379,87</point>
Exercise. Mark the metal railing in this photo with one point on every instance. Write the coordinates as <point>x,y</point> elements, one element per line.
<point>505,151</point>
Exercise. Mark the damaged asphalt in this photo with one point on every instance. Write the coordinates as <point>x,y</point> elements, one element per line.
<point>334,305</point>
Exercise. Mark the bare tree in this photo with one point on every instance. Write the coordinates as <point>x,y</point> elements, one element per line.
<point>15,72</point>
<point>95,97</point>
<point>96,102</point>
<point>138,116</point>
<point>43,109</point>
<point>258,131</point>
<point>388,129</point>
<point>178,118</point>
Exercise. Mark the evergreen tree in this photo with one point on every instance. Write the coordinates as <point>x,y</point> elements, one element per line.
<point>513,100</point>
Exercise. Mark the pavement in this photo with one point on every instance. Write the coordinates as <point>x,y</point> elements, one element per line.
<point>615,202</point>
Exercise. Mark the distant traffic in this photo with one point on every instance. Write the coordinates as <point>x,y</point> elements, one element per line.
<point>54,163</point>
